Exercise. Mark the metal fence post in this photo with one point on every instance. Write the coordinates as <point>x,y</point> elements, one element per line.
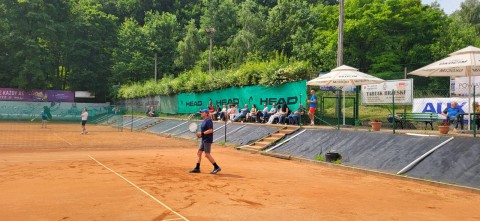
<point>339,108</point>
<point>393,110</point>
<point>474,114</point>
<point>357,102</point>
<point>131,126</point>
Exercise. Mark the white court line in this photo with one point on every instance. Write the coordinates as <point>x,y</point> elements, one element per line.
<point>28,161</point>
<point>146,193</point>
<point>171,219</point>
<point>62,139</point>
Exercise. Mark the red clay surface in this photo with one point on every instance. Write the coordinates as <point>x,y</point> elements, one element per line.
<point>51,174</point>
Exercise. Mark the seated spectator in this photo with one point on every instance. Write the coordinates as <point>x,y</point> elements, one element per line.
<point>294,118</point>
<point>222,113</point>
<point>229,110</point>
<point>233,112</point>
<point>273,110</point>
<point>281,111</point>
<point>262,113</point>
<point>253,112</point>
<point>150,111</point>
<point>454,114</point>
<point>216,112</point>
<point>211,110</point>
<point>477,115</point>
<point>243,114</point>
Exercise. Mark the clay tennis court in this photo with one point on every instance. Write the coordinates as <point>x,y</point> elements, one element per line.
<point>58,174</point>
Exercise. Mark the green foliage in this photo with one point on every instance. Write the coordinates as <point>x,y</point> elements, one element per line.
<point>320,157</point>
<point>197,81</point>
<point>222,16</point>
<point>189,48</point>
<point>93,45</point>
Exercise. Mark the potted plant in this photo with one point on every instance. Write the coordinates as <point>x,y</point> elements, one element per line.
<point>444,127</point>
<point>376,125</point>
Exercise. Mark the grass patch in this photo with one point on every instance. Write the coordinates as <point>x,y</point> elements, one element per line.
<point>320,157</point>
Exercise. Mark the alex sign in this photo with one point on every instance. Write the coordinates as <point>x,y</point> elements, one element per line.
<point>374,94</point>
<point>438,105</point>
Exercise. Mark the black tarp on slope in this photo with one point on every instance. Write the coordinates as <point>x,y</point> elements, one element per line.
<point>248,134</point>
<point>139,124</point>
<point>219,135</point>
<point>167,126</point>
<point>377,151</point>
<point>456,162</point>
<point>239,134</point>
<point>127,121</point>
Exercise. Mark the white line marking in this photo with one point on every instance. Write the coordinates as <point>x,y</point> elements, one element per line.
<point>146,193</point>
<point>30,161</point>
<point>422,135</point>
<point>171,219</point>
<point>62,139</point>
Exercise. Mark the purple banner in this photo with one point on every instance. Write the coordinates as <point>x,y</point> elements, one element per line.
<point>12,94</point>
<point>60,96</point>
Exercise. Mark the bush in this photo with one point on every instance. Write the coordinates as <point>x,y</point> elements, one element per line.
<point>274,72</point>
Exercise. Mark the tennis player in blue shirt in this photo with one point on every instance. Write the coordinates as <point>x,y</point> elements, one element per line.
<point>206,133</point>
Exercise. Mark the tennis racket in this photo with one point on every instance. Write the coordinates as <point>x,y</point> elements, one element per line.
<point>193,127</point>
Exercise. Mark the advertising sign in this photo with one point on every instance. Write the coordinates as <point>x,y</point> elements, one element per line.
<point>460,86</point>
<point>293,94</point>
<point>376,94</point>
<point>13,94</point>
<point>438,105</point>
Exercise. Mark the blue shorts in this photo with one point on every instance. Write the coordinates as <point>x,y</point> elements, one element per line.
<point>84,122</point>
<point>205,147</point>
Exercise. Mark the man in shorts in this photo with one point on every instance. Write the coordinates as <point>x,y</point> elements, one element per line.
<point>313,106</point>
<point>206,133</point>
<point>84,120</point>
<point>44,119</point>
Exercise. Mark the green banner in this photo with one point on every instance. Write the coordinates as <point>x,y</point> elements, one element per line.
<point>291,93</point>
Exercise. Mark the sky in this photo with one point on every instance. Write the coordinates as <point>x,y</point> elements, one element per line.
<point>448,6</point>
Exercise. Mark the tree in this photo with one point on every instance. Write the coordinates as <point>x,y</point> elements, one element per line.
<point>221,15</point>
<point>283,22</point>
<point>129,64</point>
<point>189,48</point>
<point>470,13</point>
<point>161,33</point>
<point>251,18</point>
<point>90,47</point>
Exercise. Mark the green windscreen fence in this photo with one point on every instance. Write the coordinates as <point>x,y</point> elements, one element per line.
<point>61,112</point>
<point>161,104</point>
<point>293,94</point>
<point>169,104</point>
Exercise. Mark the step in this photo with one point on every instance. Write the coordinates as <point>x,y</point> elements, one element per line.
<point>270,139</point>
<point>278,135</point>
<point>287,131</point>
<point>254,147</point>
<point>262,143</point>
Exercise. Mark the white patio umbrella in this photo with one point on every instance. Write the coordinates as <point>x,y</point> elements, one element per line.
<point>344,76</point>
<point>462,63</point>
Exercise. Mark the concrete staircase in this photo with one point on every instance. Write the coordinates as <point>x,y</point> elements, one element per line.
<point>266,141</point>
